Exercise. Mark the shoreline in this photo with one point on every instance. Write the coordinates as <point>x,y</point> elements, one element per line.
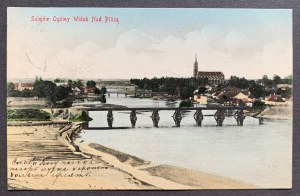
<point>278,113</point>
<point>184,178</point>
<point>276,117</point>
<point>123,170</point>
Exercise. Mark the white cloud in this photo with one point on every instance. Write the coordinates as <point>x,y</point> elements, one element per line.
<point>137,54</point>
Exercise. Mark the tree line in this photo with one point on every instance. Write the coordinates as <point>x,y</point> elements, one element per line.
<point>56,96</point>
<point>184,87</point>
<point>263,86</point>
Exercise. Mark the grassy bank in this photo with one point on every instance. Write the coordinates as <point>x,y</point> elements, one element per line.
<point>28,115</point>
<point>80,117</point>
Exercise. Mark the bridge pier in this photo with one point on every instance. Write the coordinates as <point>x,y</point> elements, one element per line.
<point>133,118</point>
<point>110,118</point>
<point>219,117</point>
<point>177,118</point>
<point>240,117</point>
<point>198,116</point>
<point>155,118</point>
<point>260,121</point>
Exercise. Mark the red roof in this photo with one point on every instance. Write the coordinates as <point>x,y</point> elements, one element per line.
<point>217,74</point>
<point>24,85</point>
<point>27,85</point>
<point>275,98</point>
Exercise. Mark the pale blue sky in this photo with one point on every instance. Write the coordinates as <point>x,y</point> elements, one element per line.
<point>150,42</point>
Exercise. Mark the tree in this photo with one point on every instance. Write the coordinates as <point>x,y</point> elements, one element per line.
<point>38,88</point>
<point>25,93</point>
<point>285,93</point>
<point>277,79</point>
<point>74,84</point>
<point>103,90</point>
<point>57,80</point>
<point>62,92</point>
<point>10,89</point>
<point>170,85</point>
<point>103,99</point>
<point>97,91</point>
<point>202,90</point>
<point>257,90</point>
<point>170,88</point>
<point>266,81</point>
<point>200,81</point>
<point>186,92</point>
<point>50,91</point>
<point>70,83</point>
<point>288,79</point>
<point>241,83</point>
<point>91,83</point>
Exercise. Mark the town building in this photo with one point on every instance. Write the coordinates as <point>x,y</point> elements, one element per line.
<point>234,96</point>
<point>200,99</point>
<point>22,86</point>
<point>275,100</point>
<point>63,84</point>
<point>214,77</point>
<point>89,90</point>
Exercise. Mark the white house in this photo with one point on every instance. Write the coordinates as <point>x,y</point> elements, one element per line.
<point>22,86</point>
<point>200,99</point>
<point>241,96</point>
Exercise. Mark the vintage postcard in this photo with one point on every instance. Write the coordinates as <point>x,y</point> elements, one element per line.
<point>149,98</point>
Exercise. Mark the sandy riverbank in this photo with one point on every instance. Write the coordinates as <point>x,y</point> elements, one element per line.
<point>45,157</point>
<point>41,157</point>
<point>278,112</point>
<point>169,177</point>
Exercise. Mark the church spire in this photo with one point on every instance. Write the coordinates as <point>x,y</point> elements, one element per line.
<point>195,73</point>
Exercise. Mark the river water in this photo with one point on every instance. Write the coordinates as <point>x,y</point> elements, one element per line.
<point>257,154</point>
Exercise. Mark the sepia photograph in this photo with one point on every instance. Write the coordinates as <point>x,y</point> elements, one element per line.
<point>149,98</point>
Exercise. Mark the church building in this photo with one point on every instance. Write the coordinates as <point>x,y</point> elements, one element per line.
<point>214,77</point>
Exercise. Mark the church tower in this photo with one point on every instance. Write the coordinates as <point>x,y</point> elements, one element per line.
<point>195,74</point>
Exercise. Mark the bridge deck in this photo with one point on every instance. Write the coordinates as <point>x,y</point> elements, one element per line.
<point>167,108</point>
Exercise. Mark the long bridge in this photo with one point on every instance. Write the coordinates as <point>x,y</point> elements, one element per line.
<point>129,90</point>
<point>219,116</point>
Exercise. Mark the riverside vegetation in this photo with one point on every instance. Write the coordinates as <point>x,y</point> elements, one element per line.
<point>56,96</point>
<point>28,115</point>
<point>40,115</point>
